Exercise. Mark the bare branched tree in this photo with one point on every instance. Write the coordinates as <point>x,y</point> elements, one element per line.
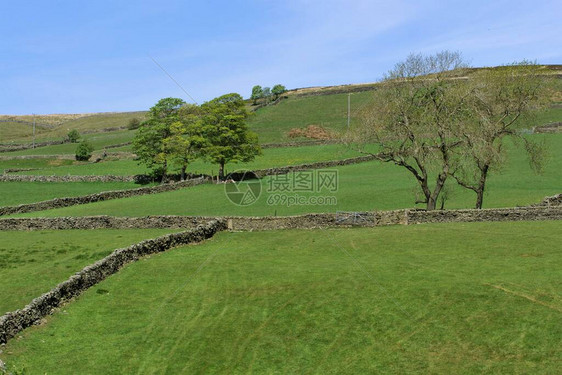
<point>415,118</point>
<point>501,104</point>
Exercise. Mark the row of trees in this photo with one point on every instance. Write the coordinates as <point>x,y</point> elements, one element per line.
<point>176,133</point>
<point>266,94</point>
<point>439,124</point>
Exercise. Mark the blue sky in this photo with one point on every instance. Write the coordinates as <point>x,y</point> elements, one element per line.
<point>93,56</point>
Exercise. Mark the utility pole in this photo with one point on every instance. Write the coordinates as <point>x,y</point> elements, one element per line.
<point>348,110</point>
<point>34,130</point>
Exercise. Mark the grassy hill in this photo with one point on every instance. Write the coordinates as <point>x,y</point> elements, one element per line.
<point>22,131</point>
<point>366,186</point>
<point>320,106</point>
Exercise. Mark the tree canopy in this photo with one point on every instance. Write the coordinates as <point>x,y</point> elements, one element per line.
<point>149,144</point>
<point>177,133</point>
<point>226,132</point>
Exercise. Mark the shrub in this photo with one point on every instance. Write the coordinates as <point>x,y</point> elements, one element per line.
<point>73,136</point>
<point>84,151</point>
<point>133,124</point>
<point>313,132</point>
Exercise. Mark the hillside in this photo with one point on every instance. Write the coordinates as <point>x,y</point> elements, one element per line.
<point>19,129</point>
<point>323,107</point>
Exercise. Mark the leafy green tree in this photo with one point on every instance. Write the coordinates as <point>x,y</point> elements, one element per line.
<point>278,90</point>
<point>149,143</point>
<point>73,136</point>
<point>226,132</point>
<point>257,94</point>
<point>84,151</point>
<point>266,94</point>
<point>133,124</point>
<point>186,138</point>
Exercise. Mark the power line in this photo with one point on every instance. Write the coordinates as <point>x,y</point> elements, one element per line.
<point>172,78</point>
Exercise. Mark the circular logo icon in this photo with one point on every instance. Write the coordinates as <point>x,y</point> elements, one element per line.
<point>242,187</point>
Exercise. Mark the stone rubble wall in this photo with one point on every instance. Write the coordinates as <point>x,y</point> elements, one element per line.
<point>555,200</point>
<point>318,165</point>
<point>473,215</point>
<point>14,322</point>
<point>308,221</point>
<point>31,157</point>
<point>97,197</point>
<point>68,178</point>
<point>95,154</point>
<point>301,143</point>
<point>555,127</point>
<point>7,147</point>
<point>102,222</point>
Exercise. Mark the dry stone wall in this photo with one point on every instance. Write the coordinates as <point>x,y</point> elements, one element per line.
<point>39,178</point>
<point>555,200</point>
<point>504,214</point>
<point>103,196</point>
<point>14,322</point>
<point>30,157</point>
<point>102,222</point>
<point>300,144</point>
<point>304,167</point>
<point>308,221</point>
<point>7,147</point>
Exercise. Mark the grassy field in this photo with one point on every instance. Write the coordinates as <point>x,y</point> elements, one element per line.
<point>479,298</point>
<point>35,163</point>
<point>10,131</point>
<point>31,263</point>
<point>549,115</point>
<point>22,133</point>
<point>273,157</point>
<point>329,111</point>
<point>13,193</point>
<point>98,141</point>
<point>366,186</point>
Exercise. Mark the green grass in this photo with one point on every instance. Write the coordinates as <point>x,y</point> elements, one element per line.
<point>22,133</point>
<point>31,263</point>
<point>548,116</point>
<point>366,186</point>
<point>35,163</point>
<point>10,131</point>
<point>98,140</point>
<point>448,298</point>
<point>102,121</point>
<point>272,123</point>
<point>273,157</point>
<point>330,111</point>
<point>13,193</point>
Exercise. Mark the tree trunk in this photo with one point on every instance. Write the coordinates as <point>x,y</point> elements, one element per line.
<point>164,172</point>
<point>183,168</point>
<point>221,171</point>
<point>431,204</point>
<point>432,199</point>
<point>481,186</point>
